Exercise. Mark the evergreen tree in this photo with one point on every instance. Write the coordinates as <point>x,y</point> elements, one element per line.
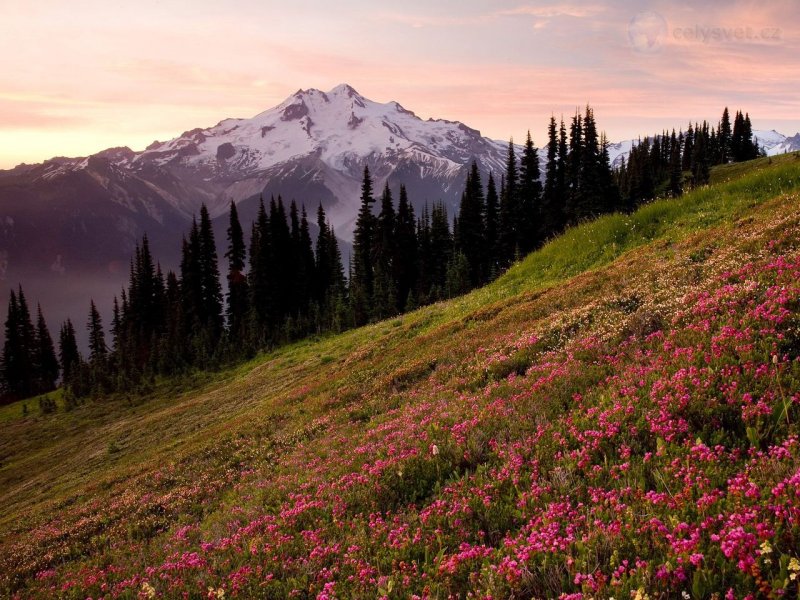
<point>97,341</point>
<point>209,279</point>
<point>405,258</point>
<point>17,360</point>
<point>68,353</point>
<point>361,283</point>
<point>322,266</point>
<point>492,228</point>
<point>530,198</point>
<point>282,265</point>
<point>471,233</point>
<point>424,258</point>
<point>296,278</point>
<point>338,294</point>
<point>116,326</point>
<point>238,292</point>
<point>46,360</point>
<point>435,250</point>
<point>458,278</point>
<point>575,205</point>
<point>688,149</point>
<point>141,319</point>
<point>675,172</point>
<point>191,285</point>
<point>508,224</point>
<point>700,160</point>
<point>173,357</point>
<point>742,145</point>
<point>589,200</point>
<point>441,249</point>
<point>749,147</point>
<point>384,300</point>
<point>261,280</point>
<point>562,183</point>
<point>611,199</point>
<point>551,217</point>
<point>306,267</point>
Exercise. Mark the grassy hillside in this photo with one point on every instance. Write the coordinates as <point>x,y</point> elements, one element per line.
<point>617,415</point>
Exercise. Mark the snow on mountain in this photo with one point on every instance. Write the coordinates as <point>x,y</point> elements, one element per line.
<point>340,126</point>
<point>776,143</point>
<point>618,151</point>
<point>314,146</point>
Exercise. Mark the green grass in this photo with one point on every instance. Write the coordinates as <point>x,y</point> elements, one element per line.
<point>70,456</point>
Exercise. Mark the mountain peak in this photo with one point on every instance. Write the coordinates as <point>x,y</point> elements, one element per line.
<point>344,89</point>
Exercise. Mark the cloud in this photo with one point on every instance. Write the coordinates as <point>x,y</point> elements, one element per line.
<point>419,21</point>
<point>180,74</point>
<point>550,11</point>
<point>37,115</point>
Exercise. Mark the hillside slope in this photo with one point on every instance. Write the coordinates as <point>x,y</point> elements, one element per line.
<point>617,415</point>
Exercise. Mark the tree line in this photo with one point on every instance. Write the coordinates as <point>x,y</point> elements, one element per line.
<point>284,286</point>
<point>662,165</point>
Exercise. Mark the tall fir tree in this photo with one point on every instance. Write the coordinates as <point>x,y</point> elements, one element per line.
<point>97,340</point>
<point>508,220</point>
<point>590,203</point>
<point>552,199</point>
<point>16,366</point>
<point>700,158</point>
<point>574,206</point>
<point>191,286</point>
<point>68,354</point>
<point>471,234</point>
<point>688,149</point>
<point>492,267</point>
<point>261,279</point>
<point>306,263</point>
<point>610,196</point>
<point>530,198</point>
<point>296,279</point>
<point>675,172</point>
<point>46,360</point>
<point>238,292</point>
<point>384,299</point>
<point>562,182</point>
<point>406,250</point>
<point>209,278</point>
<point>361,283</point>
<point>281,264</point>
<point>322,260</point>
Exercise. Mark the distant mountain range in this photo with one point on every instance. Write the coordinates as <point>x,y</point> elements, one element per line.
<point>68,226</point>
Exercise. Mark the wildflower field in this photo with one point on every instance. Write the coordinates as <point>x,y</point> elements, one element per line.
<point>617,416</point>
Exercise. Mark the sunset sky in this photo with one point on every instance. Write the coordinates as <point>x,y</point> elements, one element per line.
<point>77,77</point>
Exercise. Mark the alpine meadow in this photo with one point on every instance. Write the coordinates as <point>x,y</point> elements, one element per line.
<point>342,350</point>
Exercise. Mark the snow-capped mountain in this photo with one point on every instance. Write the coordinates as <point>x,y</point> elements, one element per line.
<point>313,148</point>
<point>776,143</point>
<point>69,221</point>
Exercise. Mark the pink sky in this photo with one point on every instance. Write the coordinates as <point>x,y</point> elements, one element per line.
<point>77,77</point>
